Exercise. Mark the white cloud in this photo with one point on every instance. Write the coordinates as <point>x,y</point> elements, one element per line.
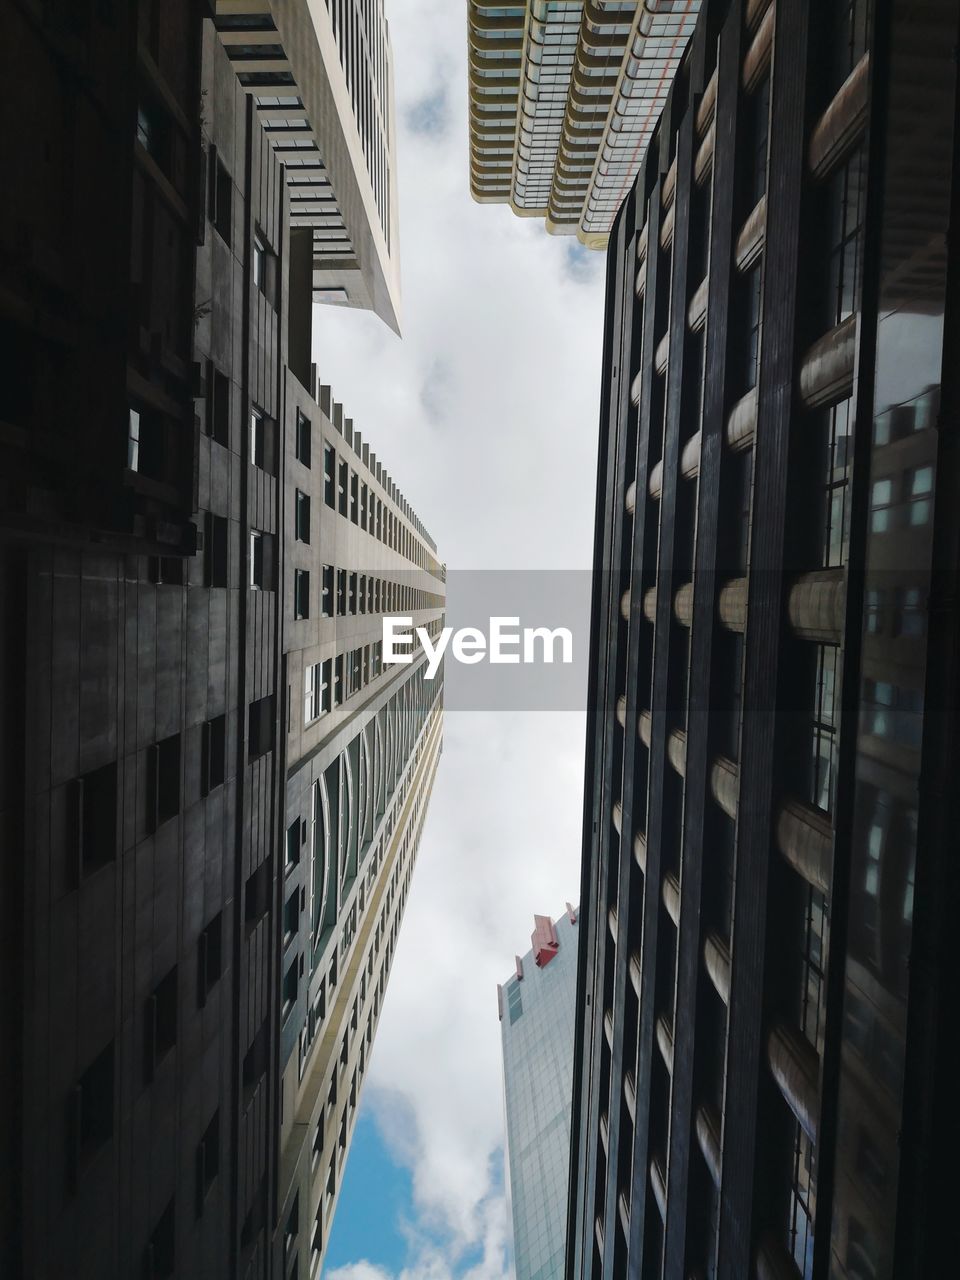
<point>486,417</point>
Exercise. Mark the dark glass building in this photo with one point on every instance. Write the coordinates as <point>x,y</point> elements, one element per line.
<point>536,1030</point>
<point>765,1031</point>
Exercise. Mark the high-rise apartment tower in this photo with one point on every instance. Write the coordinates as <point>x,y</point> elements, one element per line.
<point>321,78</point>
<point>763,1080</point>
<point>564,97</point>
<point>536,1020</point>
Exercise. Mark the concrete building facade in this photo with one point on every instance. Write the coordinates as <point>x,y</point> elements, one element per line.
<point>536,1007</point>
<point>768,860</point>
<point>321,76</point>
<point>564,97</point>
<point>155,594</point>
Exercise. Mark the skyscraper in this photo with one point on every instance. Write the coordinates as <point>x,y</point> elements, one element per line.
<point>564,97</point>
<point>167,534</point>
<point>321,77</point>
<point>764,1036</point>
<point>536,1015</point>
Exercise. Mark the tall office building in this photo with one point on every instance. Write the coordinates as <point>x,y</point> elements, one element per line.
<point>536,1018</point>
<point>564,98</point>
<point>321,76</point>
<point>163,491</point>
<point>766,1039</point>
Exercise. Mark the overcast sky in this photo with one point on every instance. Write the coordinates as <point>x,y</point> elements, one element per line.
<point>486,416</point>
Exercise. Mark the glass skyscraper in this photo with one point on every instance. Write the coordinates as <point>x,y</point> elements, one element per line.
<point>536,1017</point>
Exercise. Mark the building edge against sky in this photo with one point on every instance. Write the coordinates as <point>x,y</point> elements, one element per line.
<point>767,1035</point>
<point>536,1008</point>
<point>216,788</point>
<point>321,74</point>
<point>563,99</point>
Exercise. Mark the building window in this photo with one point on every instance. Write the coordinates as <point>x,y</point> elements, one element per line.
<point>153,132</point>
<point>291,1230</point>
<point>291,917</point>
<point>213,754</point>
<point>163,778</point>
<point>316,696</point>
<point>90,1112</point>
<point>256,895</point>
<point>133,441</point>
<point>258,439</point>
<point>215,550</point>
<point>910,615</point>
<point>160,1255</point>
<point>329,476</point>
<point>295,835</point>
<point>96,819</point>
<point>218,405</point>
<point>363,505</point>
<point>341,593</point>
<point>209,958</point>
<point>326,592</point>
<point>160,1027</point>
<point>304,438</point>
<point>302,516</point>
<point>343,488</point>
<point>261,725</point>
<point>220,197</point>
<point>301,594</point>
<point>289,988</point>
<point>354,497</point>
<point>259,263</point>
<point>920,495</point>
<point>208,1160</point>
<point>256,560</point>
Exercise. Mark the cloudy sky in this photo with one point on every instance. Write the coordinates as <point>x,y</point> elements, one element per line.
<point>486,416</point>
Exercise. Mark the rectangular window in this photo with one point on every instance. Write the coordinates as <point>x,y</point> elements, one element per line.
<point>209,958</point>
<point>163,779</point>
<point>256,896</point>
<point>133,441</point>
<point>289,989</point>
<point>256,560</point>
<point>257,438</point>
<point>326,592</point>
<point>218,405</point>
<point>90,1111</point>
<point>220,197</point>
<point>352,601</point>
<point>213,754</point>
<point>291,917</point>
<point>215,550</point>
<point>301,594</point>
<point>304,438</point>
<point>261,726</point>
<point>96,819</point>
<point>354,497</point>
<point>208,1160</point>
<point>343,488</point>
<point>338,680</point>
<point>316,691</point>
<point>329,476</point>
<point>363,505</point>
<point>160,1254</point>
<point>259,263</point>
<point>295,835</point>
<point>160,1027</point>
<point>341,593</point>
<point>302,516</point>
